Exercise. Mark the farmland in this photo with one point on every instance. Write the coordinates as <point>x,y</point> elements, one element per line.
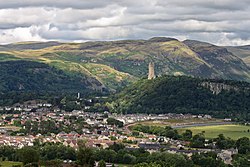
<point>233,131</point>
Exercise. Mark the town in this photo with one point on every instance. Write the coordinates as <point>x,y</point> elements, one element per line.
<point>22,127</point>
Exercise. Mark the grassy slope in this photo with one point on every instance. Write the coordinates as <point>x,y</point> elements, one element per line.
<point>10,163</point>
<point>232,131</point>
<point>70,61</point>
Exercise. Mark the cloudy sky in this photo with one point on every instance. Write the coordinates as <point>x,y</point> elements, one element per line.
<point>223,22</point>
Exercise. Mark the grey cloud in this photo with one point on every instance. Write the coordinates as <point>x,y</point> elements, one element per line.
<point>212,4</point>
<point>217,21</point>
<point>77,4</point>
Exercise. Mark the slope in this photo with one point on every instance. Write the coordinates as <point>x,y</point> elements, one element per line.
<point>34,76</point>
<point>226,64</point>
<point>242,52</point>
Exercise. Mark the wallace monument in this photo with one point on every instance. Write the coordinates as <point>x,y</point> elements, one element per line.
<point>151,70</point>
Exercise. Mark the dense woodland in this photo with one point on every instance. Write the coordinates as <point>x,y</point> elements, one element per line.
<point>25,80</point>
<point>33,76</point>
<point>183,95</point>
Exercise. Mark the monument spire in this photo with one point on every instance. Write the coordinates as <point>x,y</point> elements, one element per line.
<point>151,70</point>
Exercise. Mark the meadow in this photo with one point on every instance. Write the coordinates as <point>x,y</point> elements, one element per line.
<point>178,122</point>
<point>9,163</point>
<point>233,131</point>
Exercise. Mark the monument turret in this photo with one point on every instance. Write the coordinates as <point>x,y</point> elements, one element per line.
<point>151,70</point>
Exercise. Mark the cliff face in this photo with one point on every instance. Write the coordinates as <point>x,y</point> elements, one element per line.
<point>216,88</point>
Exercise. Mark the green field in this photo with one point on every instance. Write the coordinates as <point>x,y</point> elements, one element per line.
<point>9,163</point>
<point>175,122</point>
<point>232,131</point>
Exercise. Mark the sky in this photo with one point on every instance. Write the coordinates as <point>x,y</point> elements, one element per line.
<point>221,22</point>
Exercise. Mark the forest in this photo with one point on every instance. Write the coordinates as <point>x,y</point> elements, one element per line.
<point>183,94</point>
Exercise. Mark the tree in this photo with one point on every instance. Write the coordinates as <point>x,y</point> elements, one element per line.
<point>7,152</point>
<point>129,159</point>
<point>241,160</point>
<point>224,143</point>
<point>243,145</point>
<point>28,155</point>
<point>187,135</point>
<point>147,165</point>
<point>207,160</point>
<point>168,159</point>
<point>113,121</point>
<point>85,155</point>
<point>117,146</point>
<point>57,151</point>
<point>102,163</point>
<point>198,140</point>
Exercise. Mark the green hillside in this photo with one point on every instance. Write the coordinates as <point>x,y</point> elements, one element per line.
<point>184,95</point>
<point>30,80</point>
<point>118,63</point>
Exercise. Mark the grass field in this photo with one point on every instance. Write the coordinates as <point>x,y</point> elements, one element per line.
<point>232,131</point>
<point>175,122</point>
<point>9,163</point>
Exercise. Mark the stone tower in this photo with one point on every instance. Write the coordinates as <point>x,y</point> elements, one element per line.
<point>151,70</point>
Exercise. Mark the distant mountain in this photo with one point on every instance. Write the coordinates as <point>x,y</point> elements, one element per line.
<point>242,52</point>
<point>182,94</point>
<point>114,64</point>
<point>225,64</point>
<point>29,45</point>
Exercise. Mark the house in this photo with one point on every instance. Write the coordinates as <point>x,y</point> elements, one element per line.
<point>70,143</point>
<point>73,134</point>
<point>152,137</point>
<point>227,119</point>
<point>150,145</point>
<point>226,155</point>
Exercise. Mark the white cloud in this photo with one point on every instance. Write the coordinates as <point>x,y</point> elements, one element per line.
<point>20,34</point>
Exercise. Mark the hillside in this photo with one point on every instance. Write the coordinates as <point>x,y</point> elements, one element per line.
<point>33,76</point>
<point>184,95</point>
<point>242,52</point>
<point>28,80</point>
<point>117,63</point>
<point>225,64</point>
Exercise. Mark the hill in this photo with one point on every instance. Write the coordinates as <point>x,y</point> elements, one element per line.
<point>115,64</point>
<point>242,52</point>
<point>184,94</point>
<point>225,64</point>
<point>25,80</point>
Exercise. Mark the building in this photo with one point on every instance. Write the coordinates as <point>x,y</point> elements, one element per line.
<point>151,70</point>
